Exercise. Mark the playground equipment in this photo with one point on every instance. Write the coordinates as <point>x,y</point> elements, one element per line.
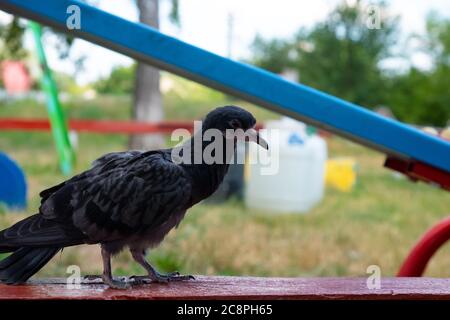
<point>56,115</point>
<point>255,85</point>
<point>410,151</point>
<point>426,247</point>
<point>13,187</point>
<point>103,126</point>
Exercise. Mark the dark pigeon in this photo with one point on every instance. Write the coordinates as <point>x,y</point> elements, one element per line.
<point>128,199</point>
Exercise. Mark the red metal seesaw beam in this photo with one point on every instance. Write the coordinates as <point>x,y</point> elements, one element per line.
<point>103,126</point>
<point>96,126</point>
<point>431,241</point>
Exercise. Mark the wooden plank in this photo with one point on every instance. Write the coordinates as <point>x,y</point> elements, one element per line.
<point>220,287</point>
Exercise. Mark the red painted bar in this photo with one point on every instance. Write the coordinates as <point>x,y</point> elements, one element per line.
<point>426,247</point>
<point>416,170</point>
<point>248,288</point>
<point>96,126</point>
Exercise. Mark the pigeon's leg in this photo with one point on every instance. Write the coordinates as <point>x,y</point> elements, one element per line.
<point>153,275</point>
<point>107,275</point>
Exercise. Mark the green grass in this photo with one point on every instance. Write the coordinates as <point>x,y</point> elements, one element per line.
<point>376,223</point>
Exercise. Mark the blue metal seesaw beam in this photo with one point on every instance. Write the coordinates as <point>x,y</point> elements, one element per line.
<point>247,82</point>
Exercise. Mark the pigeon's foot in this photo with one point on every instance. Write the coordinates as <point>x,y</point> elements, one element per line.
<point>115,284</point>
<point>92,277</point>
<point>160,278</point>
<point>137,280</point>
<point>153,275</point>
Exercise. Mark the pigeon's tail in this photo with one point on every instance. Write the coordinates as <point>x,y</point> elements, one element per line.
<point>33,242</point>
<point>23,263</point>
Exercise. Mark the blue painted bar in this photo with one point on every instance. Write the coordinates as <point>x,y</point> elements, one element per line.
<point>247,82</point>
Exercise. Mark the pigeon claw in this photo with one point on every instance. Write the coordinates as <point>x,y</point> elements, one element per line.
<point>181,277</point>
<point>160,278</point>
<point>116,284</point>
<point>92,277</point>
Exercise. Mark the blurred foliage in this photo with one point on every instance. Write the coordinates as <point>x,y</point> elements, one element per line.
<point>438,39</point>
<point>12,35</point>
<point>11,47</point>
<point>423,96</point>
<point>66,83</point>
<point>339,55</point>
<point>174,15</point>
<point>119,81</point>
<point>342,56</point>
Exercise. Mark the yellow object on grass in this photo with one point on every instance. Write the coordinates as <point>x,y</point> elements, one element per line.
<point>340,173</point>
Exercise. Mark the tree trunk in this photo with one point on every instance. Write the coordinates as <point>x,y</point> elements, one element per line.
<point>147,96</point>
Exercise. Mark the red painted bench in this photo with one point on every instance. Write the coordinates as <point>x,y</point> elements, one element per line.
<point>217,287</point>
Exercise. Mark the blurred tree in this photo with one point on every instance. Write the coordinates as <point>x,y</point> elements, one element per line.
<point>147,97</point>
<point>275,55</point>
<point>11,41</point>
<point>147,104</point>
<point>437,39</point>
<point>12,48</point>
<point>119,81</point>
<point>340,56</point>
<point>423,96</point>
<point>66,83</point>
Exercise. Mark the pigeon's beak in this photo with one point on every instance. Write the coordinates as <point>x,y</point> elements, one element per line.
<point>253,135</point>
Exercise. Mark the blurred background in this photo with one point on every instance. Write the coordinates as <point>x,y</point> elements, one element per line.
<point>340,212</point>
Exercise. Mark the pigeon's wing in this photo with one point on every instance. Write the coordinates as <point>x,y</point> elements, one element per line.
<point>114,159</point>
<point>124,199</point>
<point>109,160</point>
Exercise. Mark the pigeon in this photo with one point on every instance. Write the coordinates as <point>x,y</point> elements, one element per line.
<point>126,200</point>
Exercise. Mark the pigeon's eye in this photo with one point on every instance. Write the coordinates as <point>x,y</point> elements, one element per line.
<point>235,124</point>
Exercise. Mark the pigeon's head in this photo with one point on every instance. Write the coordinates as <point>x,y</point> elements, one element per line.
<point>232,118</point>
